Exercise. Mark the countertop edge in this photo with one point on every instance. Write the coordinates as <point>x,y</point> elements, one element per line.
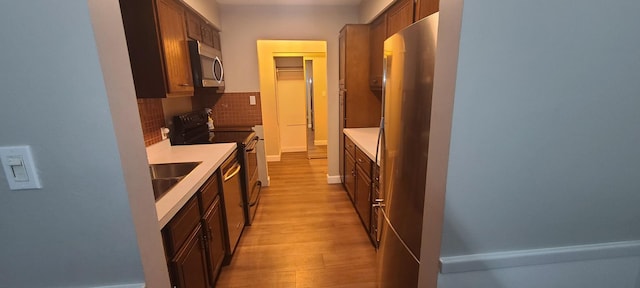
<point>365,139</point>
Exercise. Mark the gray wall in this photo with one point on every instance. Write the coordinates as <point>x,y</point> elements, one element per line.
<point>545,138</point>
<point>77,231</point>
<point>242,26</point>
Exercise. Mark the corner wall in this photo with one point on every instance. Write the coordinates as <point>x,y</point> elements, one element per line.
<point>544,150</point>
<point>78,230</point>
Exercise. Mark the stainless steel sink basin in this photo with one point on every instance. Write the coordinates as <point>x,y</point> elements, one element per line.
<point>165,176</point>
<point>162,185</point>
<point>171,170</point>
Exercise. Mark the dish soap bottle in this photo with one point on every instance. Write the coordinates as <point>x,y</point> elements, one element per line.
<point>209,120</point>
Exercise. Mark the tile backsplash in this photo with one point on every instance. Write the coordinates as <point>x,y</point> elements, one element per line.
<point>152,119</point>
<point>233,109</point>
<point>228,110</point>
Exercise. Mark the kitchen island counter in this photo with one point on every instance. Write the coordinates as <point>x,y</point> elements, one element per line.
<point>211,156</point>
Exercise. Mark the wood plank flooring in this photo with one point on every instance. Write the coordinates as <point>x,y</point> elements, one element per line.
<point>305,234</point>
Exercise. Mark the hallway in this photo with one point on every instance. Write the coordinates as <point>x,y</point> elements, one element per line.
<point>306,234</point>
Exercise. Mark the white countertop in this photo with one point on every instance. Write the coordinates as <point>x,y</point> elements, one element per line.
<point>366,139</point>
<point>211,156</point>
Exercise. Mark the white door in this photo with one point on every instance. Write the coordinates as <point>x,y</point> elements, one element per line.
<point>291,94</point>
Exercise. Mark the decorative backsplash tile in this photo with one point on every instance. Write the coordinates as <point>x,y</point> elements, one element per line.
<point>152,119</point>
<point>233,109</point>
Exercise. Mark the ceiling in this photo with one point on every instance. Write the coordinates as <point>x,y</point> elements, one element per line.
<point>291,2</point>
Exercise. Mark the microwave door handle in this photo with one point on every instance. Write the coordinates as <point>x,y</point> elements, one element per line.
<point>221,69</point>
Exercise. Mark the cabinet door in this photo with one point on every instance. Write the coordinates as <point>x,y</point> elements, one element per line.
<point>190,264</point>
<point>425,8</point>
<point>171,19</point>
<point>400,15</point>
<point>342,58</point>
<point>350,175</point>
<point>378,33</point>
<point>193,27</point>
<point>363,197</point>
<point>216,40</point>
<point>215,240</point>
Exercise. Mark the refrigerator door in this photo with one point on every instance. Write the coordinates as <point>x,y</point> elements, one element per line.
<point>408,85</point>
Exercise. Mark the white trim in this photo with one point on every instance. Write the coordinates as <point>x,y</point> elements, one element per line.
<point>137,285</point>
<point>487,261</point>
<point>293,149</point>
<point>273,158</point>
<point>335,179</point>
<point>319,142</point>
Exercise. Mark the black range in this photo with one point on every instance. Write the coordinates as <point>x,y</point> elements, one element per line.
<point>191,128</point>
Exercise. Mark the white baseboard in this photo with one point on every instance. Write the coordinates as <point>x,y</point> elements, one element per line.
<point>273,158</point>
<point>293,149</point>
<point>333,179</point>
<point>487,261</point>
<point>137,285</point>
<point>319,142</point>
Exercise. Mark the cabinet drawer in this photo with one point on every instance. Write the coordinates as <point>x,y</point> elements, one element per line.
<point>178,229</point>
<point>209,191</point>
<point>364,162</point>
<point>349,146</point>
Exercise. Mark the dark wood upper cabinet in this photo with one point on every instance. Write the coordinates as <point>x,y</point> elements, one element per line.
<point>194,30</point>
<point>425,8</point>
<point>360,107</point>
<point>158,51</point>
<point>199,29</point>
<point>399,16</point>
<point>378,33</point>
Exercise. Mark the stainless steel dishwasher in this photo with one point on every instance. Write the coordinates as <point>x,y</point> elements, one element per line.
<point>233,204</point>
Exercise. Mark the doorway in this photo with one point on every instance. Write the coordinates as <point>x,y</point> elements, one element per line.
<point>275,114</point>
<point>316,148</point>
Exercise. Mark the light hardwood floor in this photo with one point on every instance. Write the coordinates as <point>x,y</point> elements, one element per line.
<point>305,234</point>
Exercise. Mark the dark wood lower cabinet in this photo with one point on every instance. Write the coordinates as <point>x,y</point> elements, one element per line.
<point>215,242</point>
<point>363,197</point>
<point>189,264</point>
<point>194,239</point>
<point>350,175</point>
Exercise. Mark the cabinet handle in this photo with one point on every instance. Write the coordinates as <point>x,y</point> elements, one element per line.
<point>353,173</point>
<point>184,85</point>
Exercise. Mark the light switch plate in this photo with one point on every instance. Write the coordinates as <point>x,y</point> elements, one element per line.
<point>19,168</point>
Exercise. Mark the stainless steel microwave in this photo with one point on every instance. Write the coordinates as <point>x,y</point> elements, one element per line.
<point>206,65</point>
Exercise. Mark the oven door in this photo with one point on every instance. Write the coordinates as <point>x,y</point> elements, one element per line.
<point>254,186</point>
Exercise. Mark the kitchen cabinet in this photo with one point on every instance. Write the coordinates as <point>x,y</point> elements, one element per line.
<point>212,223</point>
<point>189,265</point>
<point>349,176</point>
<point>199,29</point>
<point>156,36</point>
<point>194,240</point>
<point>425,8</point>
<point>363,189</point>
<point>397,17</point>
<point>378,33</point>
<point>359,106</point>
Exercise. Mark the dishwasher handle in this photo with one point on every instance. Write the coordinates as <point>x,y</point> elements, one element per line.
<point>232,172</point>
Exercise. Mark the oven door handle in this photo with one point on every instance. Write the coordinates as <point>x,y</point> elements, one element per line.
<point>251,146</point>
<point>232,172</point>
<point>259,184</point>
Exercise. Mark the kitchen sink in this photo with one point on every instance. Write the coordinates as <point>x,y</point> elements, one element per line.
<point>165,176</point>
<point>171,170</point>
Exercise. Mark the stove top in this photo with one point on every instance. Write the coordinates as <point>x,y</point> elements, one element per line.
<point>240,137</point>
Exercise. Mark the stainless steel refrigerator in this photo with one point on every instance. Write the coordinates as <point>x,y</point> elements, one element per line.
<point>409,60</point>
